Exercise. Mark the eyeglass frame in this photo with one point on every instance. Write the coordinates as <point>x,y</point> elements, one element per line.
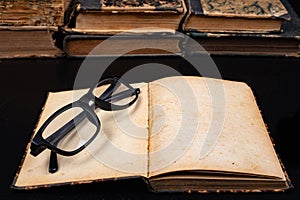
<point>39,144</point>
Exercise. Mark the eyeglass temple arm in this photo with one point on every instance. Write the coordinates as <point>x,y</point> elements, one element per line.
<point>122,94</point>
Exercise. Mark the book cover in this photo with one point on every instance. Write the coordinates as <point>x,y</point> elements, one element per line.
<point>31,12</point>
<point>27,27</point>
<point>235,16</point>
<point>117,16</point>
<point>145,44</point>
<point>285,43</point>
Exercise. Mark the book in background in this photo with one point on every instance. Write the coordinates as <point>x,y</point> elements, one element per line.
<point>113,16</point>
<point>247,16</point>
<point>27,26</point>
<point>110,16</point>
<point>154,44</point>
<point>283,43</point>
<point>73,28</point>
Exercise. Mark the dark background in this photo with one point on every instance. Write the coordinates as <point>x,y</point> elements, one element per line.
<point>24,84</point>
<point>296,5</point>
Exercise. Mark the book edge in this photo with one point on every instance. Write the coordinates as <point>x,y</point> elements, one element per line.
<point>287,179</point>
<point>15,179</point>
<point>103,37</point>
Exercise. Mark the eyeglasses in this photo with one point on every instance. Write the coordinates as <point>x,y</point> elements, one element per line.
<point>74,126</point>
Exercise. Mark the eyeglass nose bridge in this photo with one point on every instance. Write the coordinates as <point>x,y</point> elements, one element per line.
<point>87,99</point>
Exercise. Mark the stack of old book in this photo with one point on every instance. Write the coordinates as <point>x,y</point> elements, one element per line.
<point>26,28</point>
<point>249,27</point>
<point>76,27</point>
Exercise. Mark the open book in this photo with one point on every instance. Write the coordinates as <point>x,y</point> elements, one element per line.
<point>184,133</point>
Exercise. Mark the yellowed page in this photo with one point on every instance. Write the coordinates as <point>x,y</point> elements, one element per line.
<point>208,124</point>
<point>120,149</point>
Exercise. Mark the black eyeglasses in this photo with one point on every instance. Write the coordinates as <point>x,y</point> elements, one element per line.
<point>78,123</point>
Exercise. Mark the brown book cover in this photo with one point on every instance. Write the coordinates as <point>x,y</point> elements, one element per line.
<point>155,44</point>
<point>31,12</point>
<point>253,16</point>
<point>285,43</point>
<point>27,26</point>
<point>28,42</point>
<point>116,16</point>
